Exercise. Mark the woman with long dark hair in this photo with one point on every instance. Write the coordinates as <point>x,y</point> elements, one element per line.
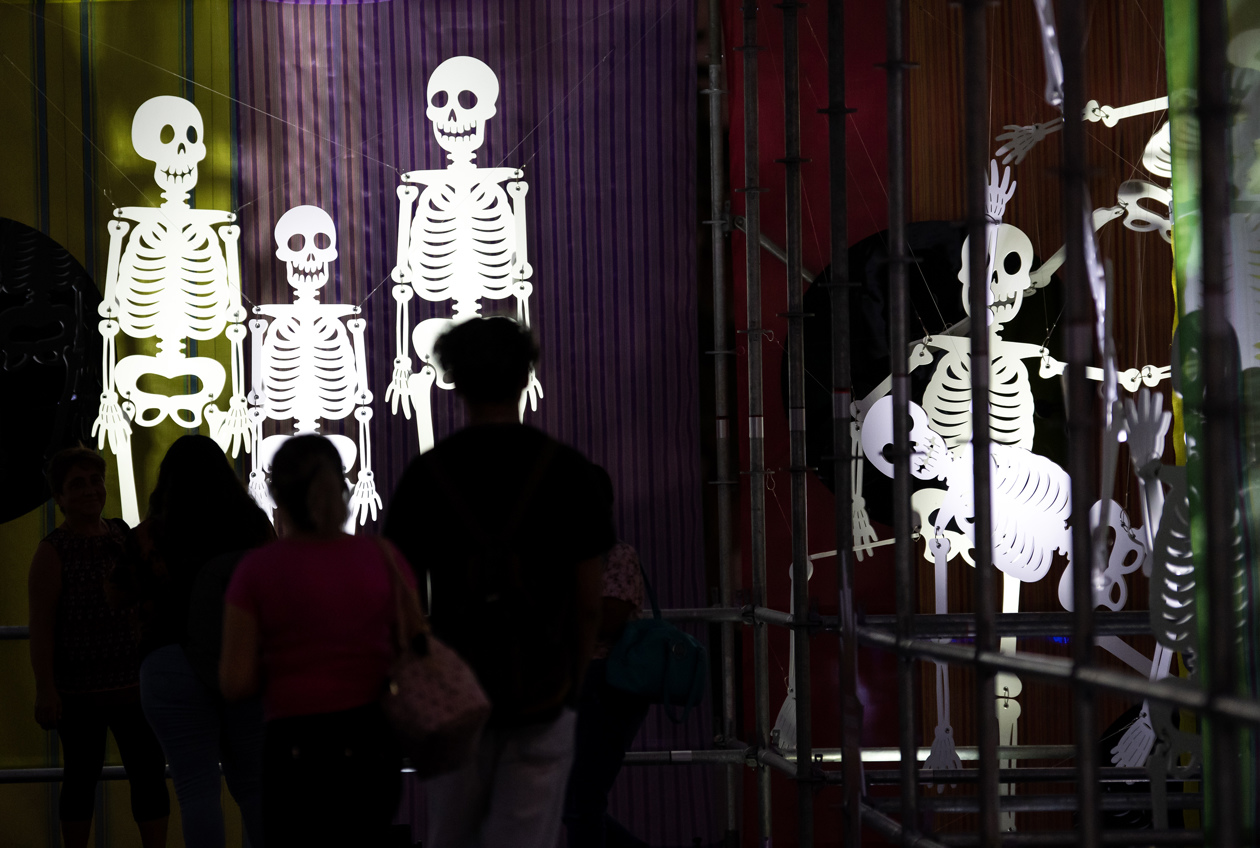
<point>200,521</point>
<point>312,614</point>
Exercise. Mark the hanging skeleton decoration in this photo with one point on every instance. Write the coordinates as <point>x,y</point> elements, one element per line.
<point>173,274</point>
<point>306,367</point>
<point>463,241</point>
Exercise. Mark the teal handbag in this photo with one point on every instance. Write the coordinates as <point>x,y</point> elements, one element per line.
<point>657,661</point>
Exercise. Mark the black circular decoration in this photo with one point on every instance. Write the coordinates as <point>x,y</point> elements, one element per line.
<point>50,354</point>
<point>935,296</point>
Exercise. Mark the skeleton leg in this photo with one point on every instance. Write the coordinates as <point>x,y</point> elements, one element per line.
<point>784,730</point>
<point>943,754</point>
<point>1008,688</point>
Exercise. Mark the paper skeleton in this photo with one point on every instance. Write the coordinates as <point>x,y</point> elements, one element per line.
<point>462,237</point>
<point>173,274</point>
<point>308,366</point>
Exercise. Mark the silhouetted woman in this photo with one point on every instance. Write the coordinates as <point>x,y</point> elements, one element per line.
<point>85,657</point>
<point>199,511</point>
<point>311,615</point>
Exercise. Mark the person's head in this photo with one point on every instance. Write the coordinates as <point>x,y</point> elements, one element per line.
<point>76,477</point>
<point>308,486</point>
<point>194,481</point>
<point>488,359</point>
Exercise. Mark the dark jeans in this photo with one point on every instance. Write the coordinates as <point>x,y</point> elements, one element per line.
<point>330,779</point>
<point>198,731</point>
<point>84,720</point>
<point>608,720</point>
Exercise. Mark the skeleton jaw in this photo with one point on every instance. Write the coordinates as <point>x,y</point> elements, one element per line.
<point>176,177</point>
<point>307,278</point>
<point>1004,307</point>
<point>459,138</point>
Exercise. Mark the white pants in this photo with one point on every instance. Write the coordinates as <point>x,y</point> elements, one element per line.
<point>510,795</point>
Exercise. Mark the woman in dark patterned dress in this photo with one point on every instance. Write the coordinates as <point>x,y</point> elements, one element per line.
<point>85,656</point>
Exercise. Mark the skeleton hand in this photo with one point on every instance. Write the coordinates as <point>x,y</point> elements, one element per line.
<point>943,754</point>
<point>1134,747</point>
<point>397,391</point>
<point>259,492</point>
<point>111,424</point>
<point>232,430</point>
<point>364,499</point>
<point>1147,423</point>
<point>1019,140</point>
<point>863,533</point>
<point>998,193</point>
<point>533,392</point>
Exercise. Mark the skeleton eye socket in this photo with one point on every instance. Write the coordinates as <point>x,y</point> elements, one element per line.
<point>1012,263</point>
<point>296,242</point>
<point>440,99</point>
<point>467,99</point>
<point>322,241</point>
<point>167,135</point>
<point>192,135</point>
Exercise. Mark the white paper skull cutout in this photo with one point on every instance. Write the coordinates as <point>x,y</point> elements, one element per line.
<point>461,97</point>
<point>168,132</point>
<point>306,242</point>
<point>1010,275</point>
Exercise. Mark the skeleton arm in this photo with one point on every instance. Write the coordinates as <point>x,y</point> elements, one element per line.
<point>257,400</point>
<point>1041,277</point>
<point>232,430</point>
<point>521,272</point>
<point>396,393</point>
<point>1019,140</point>
<point>364,500</point>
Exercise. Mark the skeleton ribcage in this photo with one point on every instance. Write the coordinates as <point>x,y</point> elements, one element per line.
<point>1031,505</point>
<point>462,242</point>
<point>308,370</point>
<point>947,401</point>
<point>172,283</point>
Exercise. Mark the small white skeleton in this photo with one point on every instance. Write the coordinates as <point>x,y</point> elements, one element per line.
<point>304,365</point>
<point>463,241</point>
<point>174,276</point>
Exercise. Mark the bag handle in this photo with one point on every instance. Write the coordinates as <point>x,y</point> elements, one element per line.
<point>647,587</point>
<point>410,622</point>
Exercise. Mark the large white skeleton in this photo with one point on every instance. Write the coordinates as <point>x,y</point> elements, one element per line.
<point>463,240</point>
<point>306,367</point>
<point>947,406</point>
<point>173,274</point>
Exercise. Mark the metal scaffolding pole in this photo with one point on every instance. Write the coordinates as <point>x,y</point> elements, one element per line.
<point>1083,426</point>
<point>899,316</point>
<point>726,484</point>
<point>976,115</point>
<point>796,420</point>
<point>1221,490</point>
<point>841,421</point>
<point>756,414</point>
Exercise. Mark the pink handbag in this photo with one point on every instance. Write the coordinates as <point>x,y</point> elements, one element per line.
<point>434,703</point>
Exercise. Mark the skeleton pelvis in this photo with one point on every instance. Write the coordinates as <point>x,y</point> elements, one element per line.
<point>345,446</point>
<point>152,408</point>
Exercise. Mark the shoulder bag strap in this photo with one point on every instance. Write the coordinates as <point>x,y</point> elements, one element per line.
<point>647,587</point>
<point>409,618</point>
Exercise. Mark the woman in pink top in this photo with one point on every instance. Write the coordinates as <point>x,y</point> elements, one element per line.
<point>311,615</point>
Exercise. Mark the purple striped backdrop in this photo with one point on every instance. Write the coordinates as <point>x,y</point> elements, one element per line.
<point>597,104</point>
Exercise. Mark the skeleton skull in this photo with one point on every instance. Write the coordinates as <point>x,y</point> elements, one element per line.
<point>461,97</point>
<point>930,456</point>
<point>1010,275</point>
<point>168,132</point>
<point>306,241</point>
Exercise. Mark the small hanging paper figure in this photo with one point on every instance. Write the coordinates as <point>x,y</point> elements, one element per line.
<point>173,274</point>
<point>306,367</point>
<point>464,240</point>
